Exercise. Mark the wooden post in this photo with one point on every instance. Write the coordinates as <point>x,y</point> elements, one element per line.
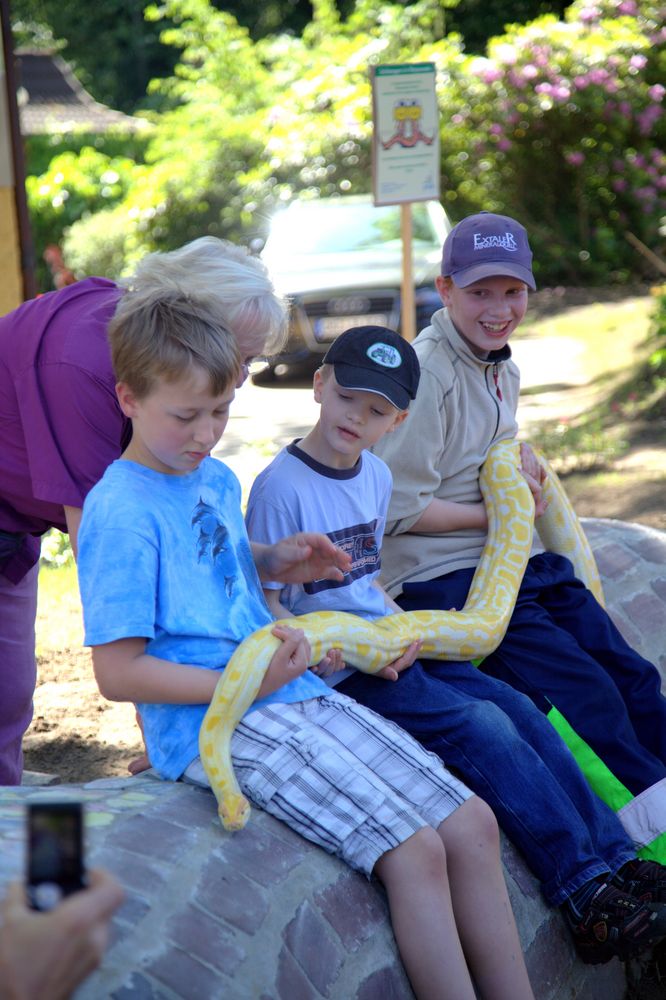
<point>15,240</point>
<point>407,312</point>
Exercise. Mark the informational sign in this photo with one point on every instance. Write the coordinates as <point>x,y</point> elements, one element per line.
<point>405,160</point>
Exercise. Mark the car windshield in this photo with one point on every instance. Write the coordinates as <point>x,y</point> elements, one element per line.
<point>341,227</point>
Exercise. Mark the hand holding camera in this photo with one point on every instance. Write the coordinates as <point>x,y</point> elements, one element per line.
<point>49,953</point>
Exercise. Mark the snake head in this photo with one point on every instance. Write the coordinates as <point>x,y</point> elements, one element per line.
<point>234,812</point>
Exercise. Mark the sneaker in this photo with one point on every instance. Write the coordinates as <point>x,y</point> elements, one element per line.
<point>613,924</point>
<point>644,880</point>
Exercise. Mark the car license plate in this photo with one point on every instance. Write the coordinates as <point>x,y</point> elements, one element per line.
<point>329,327</point>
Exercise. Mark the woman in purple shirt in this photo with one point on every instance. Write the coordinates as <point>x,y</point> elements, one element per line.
<point>60,425</point>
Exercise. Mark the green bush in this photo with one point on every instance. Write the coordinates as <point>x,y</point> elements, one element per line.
<point>56,549</point>
<point>658,357</point>
<point>41,149</point>
<point>76,184</point>
<point>100,244</point>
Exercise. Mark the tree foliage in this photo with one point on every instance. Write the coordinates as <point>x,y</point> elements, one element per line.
<point>118,73</point>
<point>560,123</point>
<point>658,357</point>
<point>480,20</point>
<point>113,49</point>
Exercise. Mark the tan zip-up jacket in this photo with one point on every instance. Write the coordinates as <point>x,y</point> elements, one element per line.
<point>463,405</point>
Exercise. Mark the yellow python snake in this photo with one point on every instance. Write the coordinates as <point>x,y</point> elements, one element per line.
<point>475,631</point>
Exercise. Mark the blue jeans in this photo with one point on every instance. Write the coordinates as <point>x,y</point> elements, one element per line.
<point>509,754</point>
<point>562,646</point>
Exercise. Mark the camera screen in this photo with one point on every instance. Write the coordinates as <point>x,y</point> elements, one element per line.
<point>55,843</point>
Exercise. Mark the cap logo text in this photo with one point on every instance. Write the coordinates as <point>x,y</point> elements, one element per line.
<point>384,355</point>
<point>506,241</point>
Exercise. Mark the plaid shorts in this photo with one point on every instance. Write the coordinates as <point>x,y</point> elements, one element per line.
<point>340,775</point>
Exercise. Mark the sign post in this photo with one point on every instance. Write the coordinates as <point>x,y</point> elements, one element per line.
<point>405,154</point>
<point>407,304</point>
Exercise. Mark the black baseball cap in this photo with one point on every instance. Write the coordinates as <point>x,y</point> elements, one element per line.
<point>376,359</point>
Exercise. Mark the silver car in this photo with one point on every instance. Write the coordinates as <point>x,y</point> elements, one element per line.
<point>339,261</point>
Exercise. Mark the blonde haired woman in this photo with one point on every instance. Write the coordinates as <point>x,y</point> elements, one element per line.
<point>62,426</point>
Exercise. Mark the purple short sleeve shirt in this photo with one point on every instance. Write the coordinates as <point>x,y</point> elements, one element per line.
<point>60,422</point>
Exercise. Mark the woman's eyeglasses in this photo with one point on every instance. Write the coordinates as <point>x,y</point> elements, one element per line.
<point>249,364</point>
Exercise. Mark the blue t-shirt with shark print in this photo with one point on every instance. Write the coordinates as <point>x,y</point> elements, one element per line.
<point>167,558</point>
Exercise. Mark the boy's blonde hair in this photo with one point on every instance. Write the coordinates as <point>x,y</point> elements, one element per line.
<point>165,337</point>
<point>224,280</point>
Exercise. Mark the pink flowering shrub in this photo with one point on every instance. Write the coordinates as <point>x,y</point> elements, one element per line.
<point>563,125</point>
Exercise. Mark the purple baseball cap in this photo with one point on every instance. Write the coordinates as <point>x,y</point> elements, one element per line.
<point>486,245</point>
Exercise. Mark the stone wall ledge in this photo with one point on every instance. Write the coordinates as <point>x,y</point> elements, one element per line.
<point>263,915</point>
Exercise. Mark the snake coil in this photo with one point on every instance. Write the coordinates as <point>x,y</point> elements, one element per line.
<point>475,631</point>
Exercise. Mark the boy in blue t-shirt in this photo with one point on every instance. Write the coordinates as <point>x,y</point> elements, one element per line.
<point>495,737</point>
<point>171,585</point>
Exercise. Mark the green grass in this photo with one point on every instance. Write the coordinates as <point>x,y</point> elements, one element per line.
<point>634,408</point>
<point>59,623</point>
<point>631,395</point>
<point>604,324</point>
